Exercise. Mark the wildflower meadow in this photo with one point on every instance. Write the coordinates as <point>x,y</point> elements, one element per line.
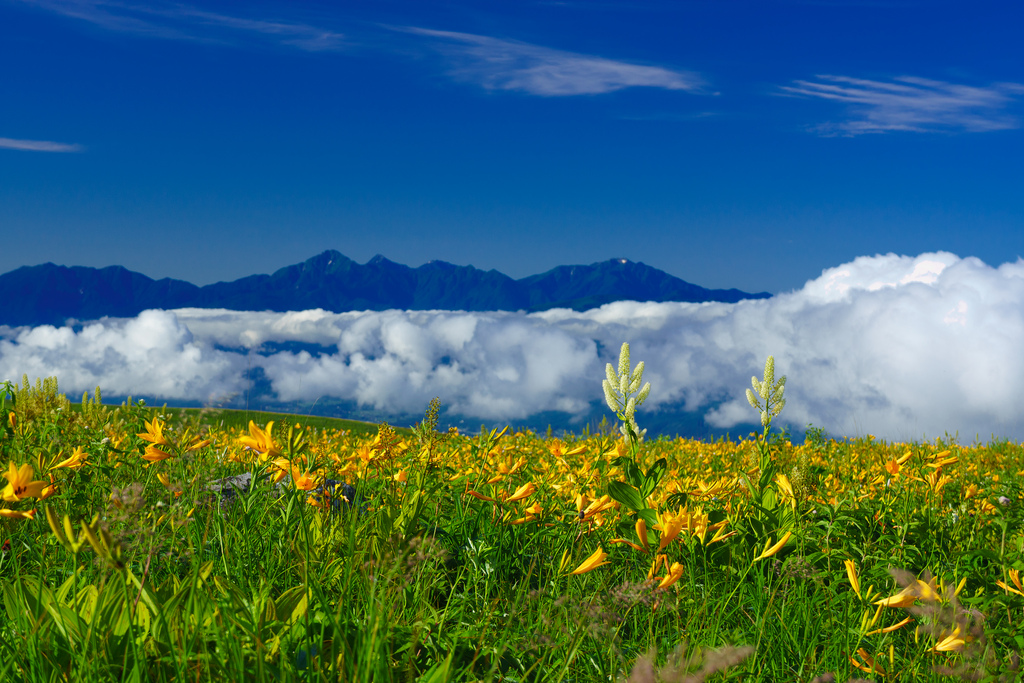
<point>145,544</point>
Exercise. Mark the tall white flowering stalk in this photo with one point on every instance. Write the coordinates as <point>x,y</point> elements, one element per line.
<point>772,514</point>
<point>766,396</point>
<point>624,395</point>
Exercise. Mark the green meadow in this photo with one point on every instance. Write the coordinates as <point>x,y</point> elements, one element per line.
<point>155,544</point>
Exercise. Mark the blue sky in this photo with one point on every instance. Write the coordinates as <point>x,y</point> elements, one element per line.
<point>733,144</point>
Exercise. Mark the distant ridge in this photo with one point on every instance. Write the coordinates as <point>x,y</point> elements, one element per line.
<point>49,294</point>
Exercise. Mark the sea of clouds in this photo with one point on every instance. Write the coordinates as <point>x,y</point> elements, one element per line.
<point>901,347</point>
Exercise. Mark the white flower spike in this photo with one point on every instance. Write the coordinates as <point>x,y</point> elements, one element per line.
<point>770,392</point>
<point>619,389</point>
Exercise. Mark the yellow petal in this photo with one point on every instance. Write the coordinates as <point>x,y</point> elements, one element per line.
<point>674,574</point>
<point>905,598</point>
<point>524,491</point>
<point>851,574</point>
<point>17,514</point>
<point>593,562</point>
<point>768,552</point>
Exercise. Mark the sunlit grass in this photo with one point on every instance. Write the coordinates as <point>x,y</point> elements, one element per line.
<point>497,556</point>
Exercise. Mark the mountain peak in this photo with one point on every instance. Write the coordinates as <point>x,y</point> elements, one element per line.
<point>50,294</point>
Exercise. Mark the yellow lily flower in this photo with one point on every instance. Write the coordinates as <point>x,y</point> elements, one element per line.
<point>675,572</point>
<point>49,490</point>
<point>20,483</point>
<point>596,507</point>
<point>532,513</point>
<point>893,467</point>
<point>889,629</point>
<point>869,665</point>
<point>155,434</point>
<point>670,526</point>
<point>524,491</point>
<point>261,441</point>
<point>851,574</point>
<point>154,454</point>
<point>783,481</point>
<point>195,444</point>
<point>76,461</point>
<point>659,561</point>
<point>304,481</point>
<point>280,468</point>
<point>953,642</point>
<point>1015,577</point>
<point>17,514</point>
<point>942,459</point>
<point>906,597</point>
<point>593,562</point>
<point>720,533</point>
<point>641,533</point>
<point>769,551</point>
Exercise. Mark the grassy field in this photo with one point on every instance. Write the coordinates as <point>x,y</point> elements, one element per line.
<point>497,556</point>
<point>228,419</point>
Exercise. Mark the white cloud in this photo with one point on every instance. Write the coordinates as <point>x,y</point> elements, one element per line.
<point>38,145</point>
<point>151,354</point>
<point>184,22</point>
<point>896,346</point>
<point>912,104</point>
<point>497,64</point>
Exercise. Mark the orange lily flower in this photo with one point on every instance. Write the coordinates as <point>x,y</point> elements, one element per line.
<point>304,481</point>
<point>593,562</point>
<point>675,572</point>
<point>49,490</point>
<point>154,454</point>
<point>261,441</point>
<point>155,433</point>
<point>76,461</point>
<point>596,506</point>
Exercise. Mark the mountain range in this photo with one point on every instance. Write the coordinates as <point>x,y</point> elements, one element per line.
<point>49,294</point>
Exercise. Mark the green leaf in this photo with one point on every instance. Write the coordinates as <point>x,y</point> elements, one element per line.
<point>676,500</point>
<point>626,494</point>
<point>648,515</point>
<point>293,603</point>
<point>440,672</point>
<point>653,477</point>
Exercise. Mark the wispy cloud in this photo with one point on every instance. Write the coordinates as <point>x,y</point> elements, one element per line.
<point>497,64</point>
<point>38,145</point>
<point>912,104</point>
<point>185,22</point>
